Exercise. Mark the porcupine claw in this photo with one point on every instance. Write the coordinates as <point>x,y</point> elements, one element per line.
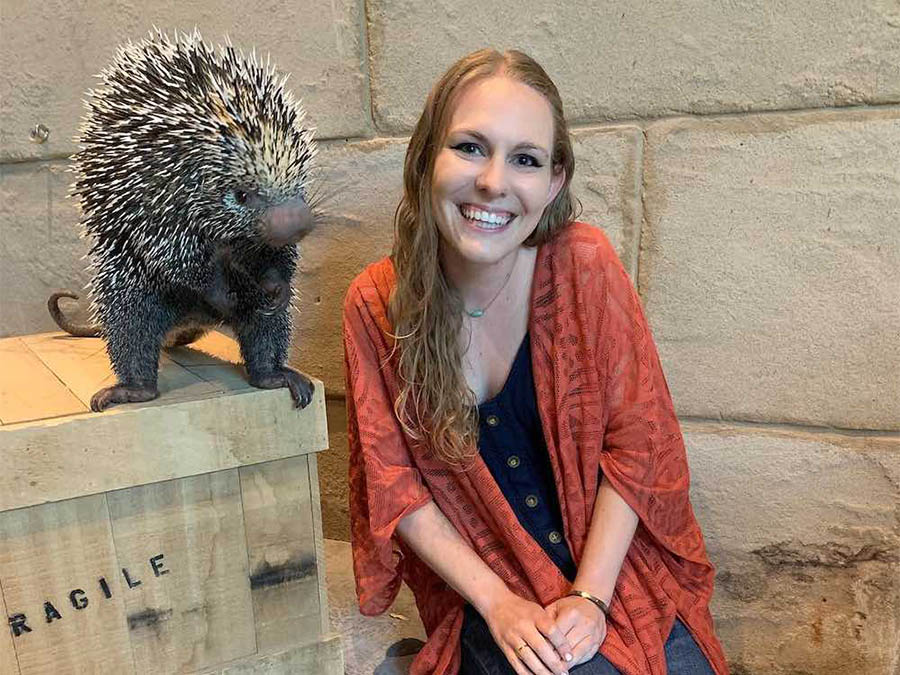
<point>121,393</point>
<point>300,386</point>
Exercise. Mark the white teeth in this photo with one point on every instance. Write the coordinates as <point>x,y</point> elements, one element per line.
<point>485,216</point>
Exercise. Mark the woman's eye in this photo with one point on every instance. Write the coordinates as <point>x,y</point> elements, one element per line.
<point>526,160</point>
<point>468,148</point>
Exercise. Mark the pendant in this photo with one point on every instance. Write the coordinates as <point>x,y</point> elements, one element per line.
<point>475,313</point>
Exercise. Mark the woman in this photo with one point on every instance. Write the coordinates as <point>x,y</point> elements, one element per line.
<point>515,457</point>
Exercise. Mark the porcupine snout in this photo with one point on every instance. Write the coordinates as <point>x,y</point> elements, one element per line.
<point>286,223</point>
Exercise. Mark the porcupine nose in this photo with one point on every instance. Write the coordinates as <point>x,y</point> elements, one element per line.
<point>287,223</point>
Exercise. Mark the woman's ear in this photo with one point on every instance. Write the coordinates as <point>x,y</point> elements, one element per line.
<point>557,180</point>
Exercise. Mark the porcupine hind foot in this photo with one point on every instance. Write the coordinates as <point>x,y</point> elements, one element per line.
<point>133,342</point>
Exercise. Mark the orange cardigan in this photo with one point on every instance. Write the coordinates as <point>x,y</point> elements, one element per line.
<point>604,404</point>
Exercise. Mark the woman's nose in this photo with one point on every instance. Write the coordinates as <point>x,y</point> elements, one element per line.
<point>492,177</point>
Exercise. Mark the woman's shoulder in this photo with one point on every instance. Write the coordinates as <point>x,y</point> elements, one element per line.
<point>582,244</point>
<point>372,287</point>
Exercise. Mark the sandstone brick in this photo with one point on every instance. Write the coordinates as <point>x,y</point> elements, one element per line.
<point>803,530</point>
<point>363,183</point>
<point>40,248</point>
<point>648,59</point>
<point>770,266</point>
<point>51,51</point>
<point>607,182</point>
<point>334,474</point>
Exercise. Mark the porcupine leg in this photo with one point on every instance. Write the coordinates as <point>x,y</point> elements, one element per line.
<point>133,341</point>
<point>264,340</point>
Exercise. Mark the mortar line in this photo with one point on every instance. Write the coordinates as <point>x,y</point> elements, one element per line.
<point>642,221</point>
<point>370,79</point>
<point>338,396</point>
<point>574,126</point>
<point>789,426</point>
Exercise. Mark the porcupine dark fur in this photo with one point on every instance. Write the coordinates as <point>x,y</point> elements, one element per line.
<point>193,170</point>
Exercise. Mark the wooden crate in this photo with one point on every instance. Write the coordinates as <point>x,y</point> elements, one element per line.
<point>181,535</point>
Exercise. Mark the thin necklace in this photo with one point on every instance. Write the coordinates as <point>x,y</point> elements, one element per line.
<point>479,312</point>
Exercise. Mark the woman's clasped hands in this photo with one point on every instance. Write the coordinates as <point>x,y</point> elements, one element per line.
<point>545,641</point>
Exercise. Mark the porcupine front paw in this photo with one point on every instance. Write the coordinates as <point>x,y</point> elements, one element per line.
<point>121,393</point>
<point>300,385</point>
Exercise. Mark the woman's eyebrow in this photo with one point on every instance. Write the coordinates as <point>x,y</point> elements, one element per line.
<point>530,146</point>
<point>481,138</point>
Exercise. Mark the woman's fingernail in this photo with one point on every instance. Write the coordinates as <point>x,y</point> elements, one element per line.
<point>568,656</point>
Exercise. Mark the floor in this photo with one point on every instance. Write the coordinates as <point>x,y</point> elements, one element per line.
<point>379,645</point>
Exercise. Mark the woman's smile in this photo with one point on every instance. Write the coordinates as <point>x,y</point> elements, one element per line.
<point>484,218</point>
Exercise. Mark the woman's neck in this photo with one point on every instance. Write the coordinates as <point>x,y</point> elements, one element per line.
<point>480,284</point>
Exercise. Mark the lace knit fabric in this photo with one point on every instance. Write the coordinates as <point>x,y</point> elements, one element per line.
<point>605,407</point>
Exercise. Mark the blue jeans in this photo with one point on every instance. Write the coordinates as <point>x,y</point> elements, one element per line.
<point>482,656</point>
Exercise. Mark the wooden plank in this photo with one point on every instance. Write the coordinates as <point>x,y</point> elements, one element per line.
<point>193,610</point>
<point>8,661</point>
<point>28,389</point>
<point>46,553</point>
<point>214,348</point>
<point>227,378</point>
<point>284,578</point>
<point>215,358</point>
<point>82,364</point>
<point>316,507</point>
<point>67,457</point>
<point>324,657</point>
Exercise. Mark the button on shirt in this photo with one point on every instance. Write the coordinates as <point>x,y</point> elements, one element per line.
<point>511,443</point>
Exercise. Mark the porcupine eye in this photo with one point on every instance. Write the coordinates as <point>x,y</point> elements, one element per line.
<point>240,196</point>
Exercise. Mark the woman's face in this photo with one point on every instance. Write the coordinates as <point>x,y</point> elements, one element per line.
<point>493,176</point>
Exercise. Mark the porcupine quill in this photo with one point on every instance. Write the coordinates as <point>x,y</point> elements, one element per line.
<point>193,176</point>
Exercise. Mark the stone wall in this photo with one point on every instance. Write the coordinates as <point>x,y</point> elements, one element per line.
<point>741,156</point>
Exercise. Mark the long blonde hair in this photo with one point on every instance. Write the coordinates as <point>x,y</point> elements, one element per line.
<point>435,403</point>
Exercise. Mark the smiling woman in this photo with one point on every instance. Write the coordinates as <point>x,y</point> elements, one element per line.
<point>509,422</point>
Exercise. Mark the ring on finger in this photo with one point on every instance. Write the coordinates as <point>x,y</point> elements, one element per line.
<point>521,647</point>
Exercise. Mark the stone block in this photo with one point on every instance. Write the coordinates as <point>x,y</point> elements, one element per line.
<point>373,645</point>
<point>334,471</point>
<point>362,184</point>
<point>51,52</point>
<point>770,266</point>
<point>607,181</point>
<point>803,530</point>
<point>647,59</point>
<point>40,247</point>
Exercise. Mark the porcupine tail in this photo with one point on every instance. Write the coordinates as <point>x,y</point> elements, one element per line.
<point>78,330</point>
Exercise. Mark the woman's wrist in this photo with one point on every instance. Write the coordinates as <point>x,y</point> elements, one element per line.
<point>597,587</point>
<point>602,605</point>
<point>485,602</point>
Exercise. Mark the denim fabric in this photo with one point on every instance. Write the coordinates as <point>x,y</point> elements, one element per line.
<point>482,656</point>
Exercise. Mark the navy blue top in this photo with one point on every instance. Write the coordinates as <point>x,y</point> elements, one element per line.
<point>511,443</point>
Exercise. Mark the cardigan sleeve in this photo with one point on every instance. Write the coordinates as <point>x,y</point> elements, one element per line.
<point>385,484</point>
<point>643,450</point>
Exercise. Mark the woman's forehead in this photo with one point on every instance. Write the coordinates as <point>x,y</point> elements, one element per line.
<point>503,108</point>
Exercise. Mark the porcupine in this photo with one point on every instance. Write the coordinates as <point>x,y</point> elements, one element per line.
<point>193,175</point>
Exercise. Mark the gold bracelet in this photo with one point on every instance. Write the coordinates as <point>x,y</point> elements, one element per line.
<point>587,596</point>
